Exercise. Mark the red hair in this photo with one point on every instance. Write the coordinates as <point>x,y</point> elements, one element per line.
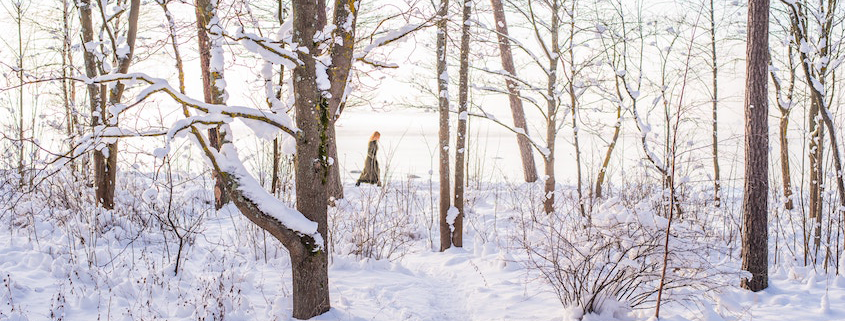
<point>375,136</point>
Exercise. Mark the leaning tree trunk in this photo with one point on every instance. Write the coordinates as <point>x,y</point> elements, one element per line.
<point>525,152</point>
<point>755,249</point>
<point>460,143</point>
<point>345,16</point>
<point>213,92</point>
<point>617,127</point>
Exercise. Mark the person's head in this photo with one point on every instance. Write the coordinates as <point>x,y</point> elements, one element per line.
<point>375,136</point>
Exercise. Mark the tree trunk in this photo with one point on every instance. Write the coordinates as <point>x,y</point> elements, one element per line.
<point>310,276</point>
<point>755,248</point>
<point>617,127</point>
<point>551,112</point>
<point>784,126</point>
<point>717,184</point>
<point>275,181</point>
<point>211,92</point>
<point>346,17</point>
<point>95,100</point>
<point>573,103</point>
<point>18,7</point>
<point>68,87</point>
<point>460,143</point>
<point>443,102</point>
<point>529,169</point>
<point>107,178</point>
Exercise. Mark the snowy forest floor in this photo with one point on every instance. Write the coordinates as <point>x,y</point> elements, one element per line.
<point>63,259</point>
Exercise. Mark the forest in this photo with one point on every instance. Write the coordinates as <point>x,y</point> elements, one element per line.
<point>422,160</point>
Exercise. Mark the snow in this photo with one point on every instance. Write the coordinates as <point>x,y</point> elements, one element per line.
<point>81,265</point>
<point>267,203</point>
<point>451,215</point>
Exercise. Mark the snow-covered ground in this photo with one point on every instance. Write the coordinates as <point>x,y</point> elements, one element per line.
<point>61,259</point>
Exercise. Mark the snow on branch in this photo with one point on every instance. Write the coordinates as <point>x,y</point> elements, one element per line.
<point>391,36</point>
<point>269,49</point>
<point>281,122</point>
<point>539,146</point>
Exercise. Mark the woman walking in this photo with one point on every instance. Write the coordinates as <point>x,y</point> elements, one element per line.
<point>371,173</point>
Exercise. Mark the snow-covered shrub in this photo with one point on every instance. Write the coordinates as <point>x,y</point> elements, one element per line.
<point>612,260</point>
<point>380,222</point>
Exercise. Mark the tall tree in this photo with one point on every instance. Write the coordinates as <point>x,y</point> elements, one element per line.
<point>755,246</point>
<point>68,86</point>
<point>552,103</point>
<point>17,12</point>
<point>346,18</point>
<point>443,103</point>
<point>313,118</point>
<point>717,184</point>
<point>815,53</point>
<point>460,143</point>
<point>785,102</point>
<point>105,156</point>
<point>529,169</point>
<point>573,104</point>
<point>213,85</point>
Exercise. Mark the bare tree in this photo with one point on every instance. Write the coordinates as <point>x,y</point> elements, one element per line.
<point>785,103</point>
<point>105,156</point>
<point>615,43</point>
<point>346,18</point>
<point>213,85</point>
<point>310,268</point>
<point>68,86</point>
<point>717,184</point>
<point>443,103</point>
<point>460,143</point>
<point>17,10</point>
<point>529,169</point>
<point>755,246</point>
<point>815,53</point>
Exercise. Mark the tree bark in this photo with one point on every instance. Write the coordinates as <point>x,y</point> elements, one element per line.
<point>529,169</point>
<point>573,103</point>
<point>95,100</point>
<point>460,140</point>
<point>755,232</point>
<point>211,92</point>
<point>717,184</point>
<point>818,107</point>
<point>345,17</point>
<point>313,118</point>
<point>443,103</point>
<point>18,7</point>
<point>617,127</point>
<point>784,127</point>
<point>68,87</point>
<point>551,111</point>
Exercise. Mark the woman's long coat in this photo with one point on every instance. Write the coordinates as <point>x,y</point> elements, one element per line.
<point>371,173</point>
